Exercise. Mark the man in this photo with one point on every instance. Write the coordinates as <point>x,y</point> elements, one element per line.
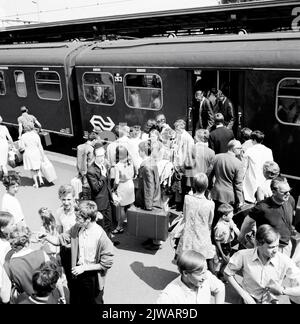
<point>264,269</point>
<point>26,119</point>
<point>195,285</point>
<point>225,107</point>
<point>253,162</point>
<point>220,137</point>
<point>91,255</point>
<point>277,211</point>
<point>161,123</point>
<point>205,112</point>
<point>228,185</point>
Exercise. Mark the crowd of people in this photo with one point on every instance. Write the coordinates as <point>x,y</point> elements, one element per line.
<point>236,214</point>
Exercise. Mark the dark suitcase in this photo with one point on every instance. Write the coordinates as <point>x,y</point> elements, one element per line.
<point>45,138</point>
<point>150,224</point>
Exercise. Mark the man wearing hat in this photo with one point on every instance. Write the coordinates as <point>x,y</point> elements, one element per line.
<point>26,119</point>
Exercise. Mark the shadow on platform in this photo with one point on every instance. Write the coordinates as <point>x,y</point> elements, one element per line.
<point>155,277</point>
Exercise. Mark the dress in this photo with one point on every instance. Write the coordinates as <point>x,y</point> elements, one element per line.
<point>124,178</point>
<point>3,145</point>
<point>32,156</point>
<point>198,216</point>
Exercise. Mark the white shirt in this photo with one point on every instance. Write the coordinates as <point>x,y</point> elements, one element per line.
<point>11,204</point>
<point>88,243</point>
<point>178,293</point>
<point>65,220</point>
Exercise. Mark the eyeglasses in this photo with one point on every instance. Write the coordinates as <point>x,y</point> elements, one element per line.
<point>285,193</point>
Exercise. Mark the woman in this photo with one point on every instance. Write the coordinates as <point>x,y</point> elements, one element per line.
<point>33,153</point>
<point>4,139</point>
<point>125,187</point>
<point>198,213</point>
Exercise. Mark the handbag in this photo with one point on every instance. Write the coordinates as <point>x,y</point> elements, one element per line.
<point>48,170</point>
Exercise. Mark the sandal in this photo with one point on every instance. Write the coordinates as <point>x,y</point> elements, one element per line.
<point>118,231</point>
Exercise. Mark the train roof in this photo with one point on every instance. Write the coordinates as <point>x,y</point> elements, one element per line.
<point>38,54</point>
<point>272,50</point>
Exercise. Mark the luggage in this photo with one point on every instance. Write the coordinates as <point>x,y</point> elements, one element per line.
<point>48,170</point>
<point>150,224</point>
<point>45,138</point>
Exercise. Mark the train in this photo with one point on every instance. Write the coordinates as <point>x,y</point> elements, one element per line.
<point>72,87</point>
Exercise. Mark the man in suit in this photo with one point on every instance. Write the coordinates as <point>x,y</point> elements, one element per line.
<point>97,176</point>
<point>205,112</point>
<point>225,107</point>
<point>220,137</point>
<point>228,185</point>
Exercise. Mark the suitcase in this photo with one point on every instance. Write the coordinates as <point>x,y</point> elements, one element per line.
<point>48,170</point>
<point>45,138</point>
<point>150,224</point>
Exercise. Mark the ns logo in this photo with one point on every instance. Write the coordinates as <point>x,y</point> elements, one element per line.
<point>296,21</point>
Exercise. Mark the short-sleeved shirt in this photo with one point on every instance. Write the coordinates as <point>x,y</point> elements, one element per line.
<point>278,216</point>
<point>178,293</point>
<point>224,232</point>
<point>65,220</point>
<point>257,276</point>
<point>12,205</point>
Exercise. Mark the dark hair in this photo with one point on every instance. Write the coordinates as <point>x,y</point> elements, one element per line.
<point>121,153</point>
<point>266,234</point>
<point>219,118</point>
<point>150,124</point>
<point>246,133</point>
<point>191,261</point>
<point>87,209</point>
<point>275,182</point>
<point>19,237</point>
<point>44,280</point>
<point>200,182</point>
<point>257,136</point>
<point>11,179</point>
<point>92,136</point>
<point>146,147</point>
<point>225,209</point>
<point>5,218</point>
<point>97,146</point>
<point>48,220</point>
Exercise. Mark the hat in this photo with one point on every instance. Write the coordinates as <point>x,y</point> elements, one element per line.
<point>24,109</point>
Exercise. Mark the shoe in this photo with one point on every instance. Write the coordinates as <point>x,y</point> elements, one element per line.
<point>147,242</point>
<point>153,247</point>
<point>118,231</point>
<point>35,185</point>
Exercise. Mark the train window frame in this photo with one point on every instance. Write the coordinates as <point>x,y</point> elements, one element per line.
<point>36,82</point>
<point>4,85</point>
<point>17,91</point>
<point>277,101</point>
<point>99,103</point>
<point>144,73</point>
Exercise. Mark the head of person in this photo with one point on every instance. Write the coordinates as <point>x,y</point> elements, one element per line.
<point>23,109</point>
<point>45,279</point>
<point>66,194</point>
<point>28,127</point>
<point>267,241</point>
<point>92,137</point>
<point>121,153</point>
<point>220,95</point>
<point>257,136</point>
<point>219,119</point>
<point>154,135</point>
<point>199,94</point>
<point>145,149</point>
<point>135,131</point>
<point>160,121</point>
<point>167,136</point>
<point>179,126</point>
<point>47,218</point>
<point>235,147</point>
<point>124,130</point>
<point>271,170</point>
<point>19,237</point>
<point>96,130</point>
<point>200,182</point>
<point>6,224</point>
<point>246,134</point>
<point>115,130</point>
<point>202,135</point>
<point>226,212</point>
<point>99,153</point>
<point>280,189</point>
<point>193,268</point>
<point>150,124</point>
<point>12,182</point>
<point>86,213</point>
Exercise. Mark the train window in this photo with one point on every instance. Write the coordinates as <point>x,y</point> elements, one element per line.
<point>143,91</point>
<point>99,88</point>
<point>20,84</point>
<point>48,85</point>
<point>288,101</point>
<point>2,84</point>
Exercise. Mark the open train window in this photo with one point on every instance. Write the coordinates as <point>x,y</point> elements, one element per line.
<point>20,84</point>
<point>99,88</point>
<point>2,84</point>
<point>288,101</point>
<point>48,85</point>
<point>143,91</point>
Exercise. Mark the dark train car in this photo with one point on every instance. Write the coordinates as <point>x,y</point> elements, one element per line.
<point>40,77</point>
<point>119,81</point>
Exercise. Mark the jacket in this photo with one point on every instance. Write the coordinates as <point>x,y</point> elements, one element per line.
<point>206,115</point>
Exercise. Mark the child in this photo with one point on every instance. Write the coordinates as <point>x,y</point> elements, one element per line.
<point>224,234</point>
<point>48,227</point>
